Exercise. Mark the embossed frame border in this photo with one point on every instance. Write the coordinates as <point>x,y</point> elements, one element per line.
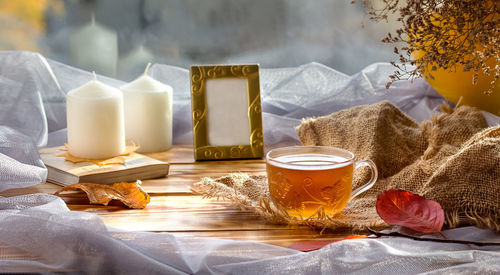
<point>204,151</point>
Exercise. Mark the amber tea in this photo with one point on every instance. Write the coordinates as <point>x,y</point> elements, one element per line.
<point>304,179</point>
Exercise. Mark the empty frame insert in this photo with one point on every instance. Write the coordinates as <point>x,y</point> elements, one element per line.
<point>227,114</point>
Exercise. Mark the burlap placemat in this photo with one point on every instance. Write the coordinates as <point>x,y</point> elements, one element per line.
<point>450,158</point>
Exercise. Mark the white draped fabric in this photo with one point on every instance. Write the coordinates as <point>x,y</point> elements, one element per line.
<point>32,115</point>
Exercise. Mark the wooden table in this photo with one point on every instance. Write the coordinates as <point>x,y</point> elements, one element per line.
<point>174,208</point>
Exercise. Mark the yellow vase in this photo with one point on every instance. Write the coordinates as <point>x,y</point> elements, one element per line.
<point>458,84</point>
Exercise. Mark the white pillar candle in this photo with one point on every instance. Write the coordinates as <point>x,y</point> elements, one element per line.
<point>95,121</point>
<point>148,113</point>
<point>94,47</point>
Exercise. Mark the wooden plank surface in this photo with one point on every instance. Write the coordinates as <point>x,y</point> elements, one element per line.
<point>174,208</point>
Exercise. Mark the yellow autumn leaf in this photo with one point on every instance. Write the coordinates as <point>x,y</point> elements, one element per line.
<point>101,162</point>
<point>130,194</point>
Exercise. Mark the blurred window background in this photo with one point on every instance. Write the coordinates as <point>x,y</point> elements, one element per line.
<point>117,38</point>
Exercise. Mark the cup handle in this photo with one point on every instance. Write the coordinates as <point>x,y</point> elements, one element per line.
<point>372,180</point>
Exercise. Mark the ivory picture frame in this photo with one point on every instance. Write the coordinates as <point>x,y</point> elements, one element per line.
<point>226,112</point>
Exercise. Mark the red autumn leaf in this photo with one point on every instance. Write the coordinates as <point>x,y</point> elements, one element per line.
<point>307,246</point>
<point>400,207</point>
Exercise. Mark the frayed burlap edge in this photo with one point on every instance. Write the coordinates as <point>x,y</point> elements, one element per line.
<point>469,216</point>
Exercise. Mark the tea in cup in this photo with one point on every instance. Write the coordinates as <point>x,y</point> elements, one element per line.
<point>304,179</point>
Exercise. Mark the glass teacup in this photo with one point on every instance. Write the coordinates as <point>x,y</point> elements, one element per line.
<point>304,179</point>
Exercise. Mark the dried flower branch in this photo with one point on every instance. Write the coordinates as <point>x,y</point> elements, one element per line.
<point>442,34</point>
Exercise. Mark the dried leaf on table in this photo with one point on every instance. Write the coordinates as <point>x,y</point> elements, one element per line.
<point>130,194</point>
<point>129,149</point>
<point>400,207</point>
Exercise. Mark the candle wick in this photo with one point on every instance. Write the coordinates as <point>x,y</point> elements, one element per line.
<point>147,68</point>
<point>95,76</point>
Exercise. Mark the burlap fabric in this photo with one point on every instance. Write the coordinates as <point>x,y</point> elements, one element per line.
<point>450,158</point>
